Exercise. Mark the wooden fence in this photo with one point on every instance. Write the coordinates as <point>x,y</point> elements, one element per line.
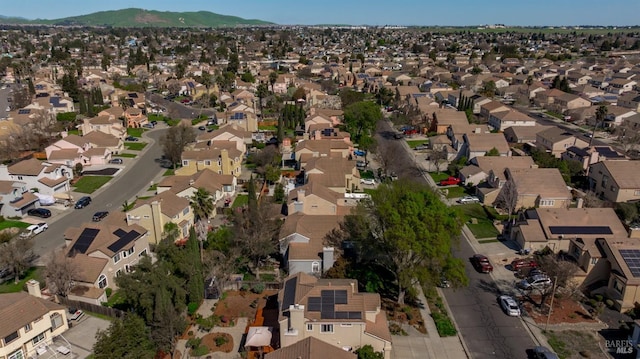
<point>94,308</point>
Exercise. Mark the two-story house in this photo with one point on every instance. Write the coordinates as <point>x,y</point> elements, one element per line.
<point>46,178</point>
<point>502,120</point>
<point>442,119</point>
<point>556,141</point>
<point>29,324</point>
<point>616,181</point>
<point>537,187</point>
<point>239,137</point>
<point>336,173</point>
<point>220,187</point>
<point>321,147</point>
<point>590,155</point>
<point>102,251</point>
<point>492,107</point>
<point>222,160</point>
<point>95,148</point>
<point>334,311</point>
<point>154,213</point>
<point>316,199</point>
<point>106,124</point>
<point>478,144</point>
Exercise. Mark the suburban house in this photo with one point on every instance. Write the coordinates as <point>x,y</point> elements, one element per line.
<point>489,170</point>
<point>336,173</point>
<point>443,118</point>
<point>221,187</point>
<point>478,144</point>
<point>240,138</point>
<point>223,160</point>
<point>536,187</point>
<point>489,108</point>
<point>311,348</point>
<point>315,199</point>
<point>566,102</point>
<point>106,124</point>
<point>523,134</point>
<point>102,251</point>
<point>504,119</point>
<point>46,178</point>
<point>16,199</point>
<point>302,243</point>
<point>333,311</point>
<point>616,181</point>
<point>556,141</point>
<point>315,147</point>
<point>135,118</point>
<point>95,148</point>
<point>630,100</point>
<point>29,324</point>
<point>621,85</point>
<point>590,155</point>
<point>154,213</point>
<point>557,228</point>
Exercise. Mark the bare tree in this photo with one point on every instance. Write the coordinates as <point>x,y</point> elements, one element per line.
<point>175,141</point>
<point>438,158</point>
<point>508,198</point>
<point>256,232</point>
<point>628,138</point>
<point>591,200</point>
<point>221,266</point>
<point>60,273</point>
<point>16,255</point>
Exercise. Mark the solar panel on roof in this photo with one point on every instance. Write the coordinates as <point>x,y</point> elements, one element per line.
<point>289,293</point>
<point>84,241</point>
<point>24,111</point>
<point>328,311</point>
<point>314,304</point>
<point>632,258</point>
<point>119,232</point>
<point>580,230</point>
<point>123,241</point>
<point>340,297</point>
<point>342,315</point>
<point>327,296</point>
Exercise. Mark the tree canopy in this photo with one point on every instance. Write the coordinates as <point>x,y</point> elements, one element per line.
<point>361,117</point>
<point>126,338</point>
<point>175,140</point>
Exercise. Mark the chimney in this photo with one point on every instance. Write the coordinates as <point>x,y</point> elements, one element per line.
<point>301,194</point>
<point>33,286</point>
<point>327,258</point>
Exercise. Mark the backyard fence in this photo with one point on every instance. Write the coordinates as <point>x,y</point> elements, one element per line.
<point>94,308</point>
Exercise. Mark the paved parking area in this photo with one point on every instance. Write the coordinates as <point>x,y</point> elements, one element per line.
<point>82,335</point>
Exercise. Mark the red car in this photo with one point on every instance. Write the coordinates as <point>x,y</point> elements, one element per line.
<point>481,263</point>
<point>450,181</point>
<point>523,263</point>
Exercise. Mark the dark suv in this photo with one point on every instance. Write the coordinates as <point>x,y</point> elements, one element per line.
<point>39,212</point>
<point>83,202</point>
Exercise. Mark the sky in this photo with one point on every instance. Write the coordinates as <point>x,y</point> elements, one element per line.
<point>364,12</point>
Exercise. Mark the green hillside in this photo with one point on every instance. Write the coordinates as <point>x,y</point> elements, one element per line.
<point>144,18</point>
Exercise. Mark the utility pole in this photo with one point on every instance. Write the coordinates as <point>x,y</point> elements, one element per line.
<point>553,294</point>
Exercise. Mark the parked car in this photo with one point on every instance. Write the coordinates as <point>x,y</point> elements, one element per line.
<point>359,152</point>
<point>212,122</point>
<point>523,263</point>
<point>539,281</point>
<point>99,216</point>
<point>450,181</point>
<point>544,353</point>
<point>509,305</point>
<point>34,229</point>
<point>361,164</point>
<point>116,161</point>
<point>444,282</point>
<point>481,263</point>
<point>75,314</point>
<point>83,202</point>
<point>202,128</point>
<point>131,139</point>
<point>469,199</point>
<point>154,123</point>
<point>368,181</point>
<point>39,212</point>
<point>421,147</point>
<point>148,125</point>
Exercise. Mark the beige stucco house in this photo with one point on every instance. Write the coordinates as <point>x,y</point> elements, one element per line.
<point>616,181</point>
<point>556,141</point>
<point>538,187</point>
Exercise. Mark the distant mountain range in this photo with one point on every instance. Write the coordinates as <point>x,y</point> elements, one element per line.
<point>141,18</point>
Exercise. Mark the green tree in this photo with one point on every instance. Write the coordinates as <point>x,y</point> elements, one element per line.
<point>493,152</point>
<point>273,77</point>
<point>248,77</point>
<point>127,338</point>
<point>262,91</point>
<point>601,115</point>
<point>367,352</point>
<point>360,118</point>
<point>203,206</point>
<point>350,97</point>
<point>174,142</point>
<point>272,173</point>
<point>278,193</point>
<point>489,89</point>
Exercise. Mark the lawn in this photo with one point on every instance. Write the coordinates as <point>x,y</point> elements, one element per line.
<point>13,224</point>
<point>484,227</point>
<point>554,114</point>
<point>366,174</point>
<point>455,192</point>
<point>74,132</point>
<point>240,201</point>
<point>135,132</point>
<point>135,146</point>
<point>415,143</point>
<point>267,128</point>
<point>11,287</point>
<point>127,155</point>
<point>169,172</point>
<point>89,184</point>
<point>437,177</point>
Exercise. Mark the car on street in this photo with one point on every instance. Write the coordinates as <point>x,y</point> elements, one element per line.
<point>361,164</point>
<point>116,161</point>
<point>202,128</point>
<point>469,199</point>
<point>481,263</point>
<point>99,216</point>
<point>82,202</point>
<point>518,264</point>
<point>539,281</point>
<point>39,212</point>
<point>543,353</point>
<point>450,181</point>
<point>131,139</point>
<point>509,305</point>
<point>34,229</point>
<point>368,181</point>
<point>359,152</point>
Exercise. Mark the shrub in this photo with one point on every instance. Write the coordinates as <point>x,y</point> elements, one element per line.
<point>192,308</point>
<point>200,351</point>
<point>443,325</point>
<point>221,340</point>
<point>108,292</point>
<point>194,342</point>
<point>258,288</point>
<point>598,297</point>
<point>395,329</point>
<point>609,302</point>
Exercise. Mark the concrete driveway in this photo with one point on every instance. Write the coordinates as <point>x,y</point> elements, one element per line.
<point>82,335</point>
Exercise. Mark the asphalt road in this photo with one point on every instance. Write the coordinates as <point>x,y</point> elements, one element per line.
<point>136,176</point>
<point>486,330</point>
<point>546,120</point>
<point>178,110</point>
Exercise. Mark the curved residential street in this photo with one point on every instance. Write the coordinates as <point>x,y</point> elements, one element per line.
<point>137,175</point>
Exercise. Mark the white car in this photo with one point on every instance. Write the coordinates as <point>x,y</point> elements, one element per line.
<point>368,181</point>
<point>34,229</point>
<point>469,199</point>
<point>509,305</point>
<point>538,281</point>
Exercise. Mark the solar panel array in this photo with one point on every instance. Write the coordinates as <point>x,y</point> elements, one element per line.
<point>123,240</point>
<point>84,241</point>
<point>592,230</point>
<point>326,304</point>
<point>24,111</point>
<point>632,258</point>
<point>288,298</point>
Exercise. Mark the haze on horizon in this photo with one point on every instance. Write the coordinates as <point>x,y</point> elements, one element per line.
<point>366,12</point>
